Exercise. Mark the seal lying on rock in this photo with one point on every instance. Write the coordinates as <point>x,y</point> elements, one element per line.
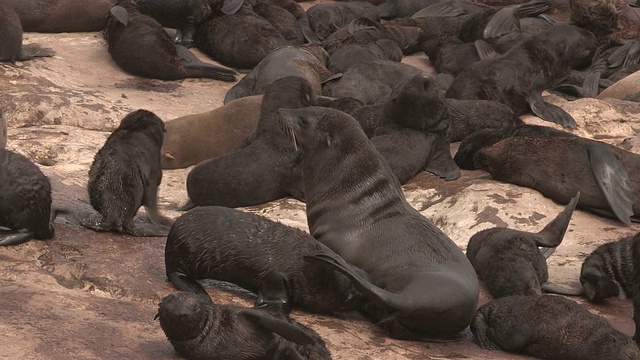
<point>359,211</point>
<point>199,329</point>
<point>508,261</point>
<point>549,327</point>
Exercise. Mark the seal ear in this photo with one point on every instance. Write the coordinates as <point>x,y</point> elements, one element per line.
<point>120,14</point>
<point>280,327</point>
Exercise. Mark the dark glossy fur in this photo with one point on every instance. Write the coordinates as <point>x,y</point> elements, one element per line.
<point>125,173</point>
<point>609,270</point>
<point>359,211</point>
<point>257,254</point>
<point>549,327</point>
<point>326,18</point>
<point>261,171</point>
<point>200,330</point>
<point>25,200</point>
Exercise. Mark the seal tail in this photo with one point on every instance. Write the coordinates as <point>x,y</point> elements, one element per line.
<point>553,233</point>
<point>283,328</point>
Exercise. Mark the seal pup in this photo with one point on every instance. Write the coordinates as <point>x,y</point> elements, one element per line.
<point>128,30</point>
<point>609,270</point>
<point>262,171</point>
<point>360,212</point>
<point>549,327</point>
<point>11,48</point>
<point>26,200</point>
<point>260,255</point>
<point>56,16</point>
<point>125,174</point>
<point>518,78</point>
<point>326,18</point>
<point>199,329</point>
<point>508,261</point>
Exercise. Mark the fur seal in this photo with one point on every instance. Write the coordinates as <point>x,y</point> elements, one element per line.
<point>11,48</point>
<point>549,327</point>
<point>128,30</point>
<point>360,212</point>
<point>200,329</point>
<point>349,55</point>
<point>262,171</point>
<point>56,16</point>
<point>26,200</point>
<point>518,78</point>
<point>125,174</point>
<point>508,261</point>
<point>3,131</point>
<point>605,175</point>
<point>306,61</point>
<point>194,138</point>
<point>260,255</point>
<point>326,18</point>
<point>609,270</point>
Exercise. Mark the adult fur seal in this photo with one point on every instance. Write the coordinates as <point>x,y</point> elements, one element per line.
<point>128,31</point>
<point>508,261</point>
<point>54,16</point>
<point>11,48</point>
<point>519,76</point>
<point>549,327</point>
<point>605,175</point>
<point>125,175</point>
<point>258,254</point>
<point>609,270</point>
<point>360,212</point>
<point>26,200</point>
<point>199,329</point>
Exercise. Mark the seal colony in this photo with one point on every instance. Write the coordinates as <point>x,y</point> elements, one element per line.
<point>343,144</point>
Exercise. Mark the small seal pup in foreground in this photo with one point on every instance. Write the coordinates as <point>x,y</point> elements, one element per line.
<point>609,270</point>
<point>509,262</point>
<point>549,327</point>
<point>125,175</point>
<point>199,329</point>
<point>11,48</point>
<point>25,200</point>
<point>140,46</point>
<point>260,255</point>
<point>360,212</point>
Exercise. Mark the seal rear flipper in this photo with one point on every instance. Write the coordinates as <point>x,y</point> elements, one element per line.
<point>308,34</point>
<point>204,70</point>
<point>444,166</point>
<point>613,180</point>
<point>230,7</point>
<point>484,50</point>
<point>552,234</point>
<point>440,9</point>
<point>281,327</point>
<point>30,51</point>
<point>552,288</point>
<point>120,14</point>
<point>361,23</point>
<point>184,283</point>
<point>8,238</point>
<point>501,23</point>
<point>550,112</point>
<point>625,55</point>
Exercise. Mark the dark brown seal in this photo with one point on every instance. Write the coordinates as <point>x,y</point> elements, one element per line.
<point>125,174</point>
<point>359,211</point>
<point>26,200</point>
<point>54,16</point>
<point>128,31</point>
<point>609,270</point>
<point>199,329</point>
<point>11,48</point>
<point>509,262</point>
<point>258,254</point>
<point>518,78</point>
<point>549,327</point>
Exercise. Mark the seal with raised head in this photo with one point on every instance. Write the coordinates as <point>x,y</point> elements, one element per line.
<point>26,200</point>
<point>128,31</point>
<point>360,212</point>
<point>518,78</point>
<point>125,174</point>
<point>509,262</point>
<point>260,255</point>
<point>199,329</point>
<point>11,48</point>
<point>55,16</point>
<point>549,327</point>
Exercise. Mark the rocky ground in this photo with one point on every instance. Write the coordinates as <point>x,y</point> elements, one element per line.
<point>94,295</point>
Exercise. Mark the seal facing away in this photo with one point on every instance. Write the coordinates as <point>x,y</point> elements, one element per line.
<point>360,212</point>
<point>125,174</point>
<point>199,329</point>
<point>260,255</point>
<point>518,78</point>
<point>25,200</point>
<point>508,261</point>
<point>140,46</point>
<point>549,327</point>
<point>11,48</point>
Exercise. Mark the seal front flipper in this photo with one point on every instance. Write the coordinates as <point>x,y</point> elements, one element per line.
<point>484,50</point>
<point>8,238</point>
<point>230,7</point>
<point>440,9</point>
<point>444,166</point>
<point>613,180</point>
<point>283,328</point>
<point>552,288</point>
<point>361,23</point>
<point>552,234</point>
<point>549,112</point>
